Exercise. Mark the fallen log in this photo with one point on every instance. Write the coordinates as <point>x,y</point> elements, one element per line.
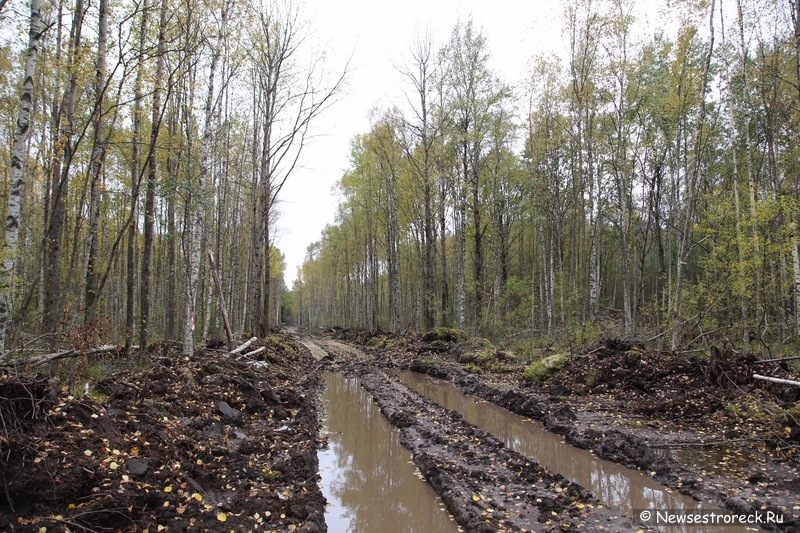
<point>777,380</point>
<point>777,360</point>
<point>241,348</point>
<point>49,357</point>
<point>257,351</point>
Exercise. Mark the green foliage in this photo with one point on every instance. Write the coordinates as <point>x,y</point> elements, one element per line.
<point>606,133</point>
<point>517,302</point>
<point>268,475</point>
<point>541,370</point>
<point>529,347</point>
<point>478,344</point>
<point>378,341</point>
<point>586,333</point>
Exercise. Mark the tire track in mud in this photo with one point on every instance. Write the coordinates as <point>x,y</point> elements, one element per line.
<point>485,485</point>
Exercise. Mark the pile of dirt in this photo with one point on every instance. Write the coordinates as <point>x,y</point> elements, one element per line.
<point>667,384</point>
<point>201,443</point>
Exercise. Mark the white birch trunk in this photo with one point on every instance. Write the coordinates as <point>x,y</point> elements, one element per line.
<point>796,266</point>
<point>17,173</point>
<point>196,227</point>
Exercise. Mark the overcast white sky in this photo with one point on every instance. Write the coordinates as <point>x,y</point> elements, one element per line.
<point>377,34</point>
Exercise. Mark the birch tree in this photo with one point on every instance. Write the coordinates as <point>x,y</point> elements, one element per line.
<point>18,168</point>
<point>421,70</point>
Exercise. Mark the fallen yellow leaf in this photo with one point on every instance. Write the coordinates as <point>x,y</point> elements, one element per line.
<point>221,517</point>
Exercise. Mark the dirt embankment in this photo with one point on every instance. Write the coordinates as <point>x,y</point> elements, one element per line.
<point>700,425</point>
<point>201,443</point>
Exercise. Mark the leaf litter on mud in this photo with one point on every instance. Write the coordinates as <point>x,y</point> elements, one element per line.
<point>185,445</point>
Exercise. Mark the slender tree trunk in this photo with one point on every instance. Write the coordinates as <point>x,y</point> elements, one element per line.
<point>445,296</point>
<point>261,236</point>
<point>17,173</point>
<point>793,213</point>
<point>461,232</point>
<point>136,180</point>
<point>477,221</point>
<point>150,195</point>
<point>742,269</point>
<point>685,247</point>
<point>756,241</point>
<point>174,155</point>
<point>194,231</point>
<point>96,167</point>
<point>393,255</point>
<point>58,209</point>
<point>172,232</point>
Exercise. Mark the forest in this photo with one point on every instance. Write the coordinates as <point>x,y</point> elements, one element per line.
<point>147,144</point>
<point>636,185</point>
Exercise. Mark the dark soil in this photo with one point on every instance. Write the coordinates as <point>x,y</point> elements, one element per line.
<point>202,443</point>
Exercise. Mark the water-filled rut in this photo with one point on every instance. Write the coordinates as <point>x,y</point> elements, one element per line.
<point>614,484</point>
<point>492,470</point>
<point>368,477</point>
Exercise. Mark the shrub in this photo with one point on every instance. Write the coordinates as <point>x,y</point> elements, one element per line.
<point>542,369</point>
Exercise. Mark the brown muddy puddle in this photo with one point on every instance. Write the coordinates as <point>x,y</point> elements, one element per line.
<point>368,477</point>
<point>617,486</point>
<point>715,461</point>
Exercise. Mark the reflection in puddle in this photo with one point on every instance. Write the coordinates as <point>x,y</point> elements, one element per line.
<point>614,484</point>
<point>368,478</point>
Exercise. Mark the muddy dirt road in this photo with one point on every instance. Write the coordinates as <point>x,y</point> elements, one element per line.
<point>730,478</point>
<point>219,443</point>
